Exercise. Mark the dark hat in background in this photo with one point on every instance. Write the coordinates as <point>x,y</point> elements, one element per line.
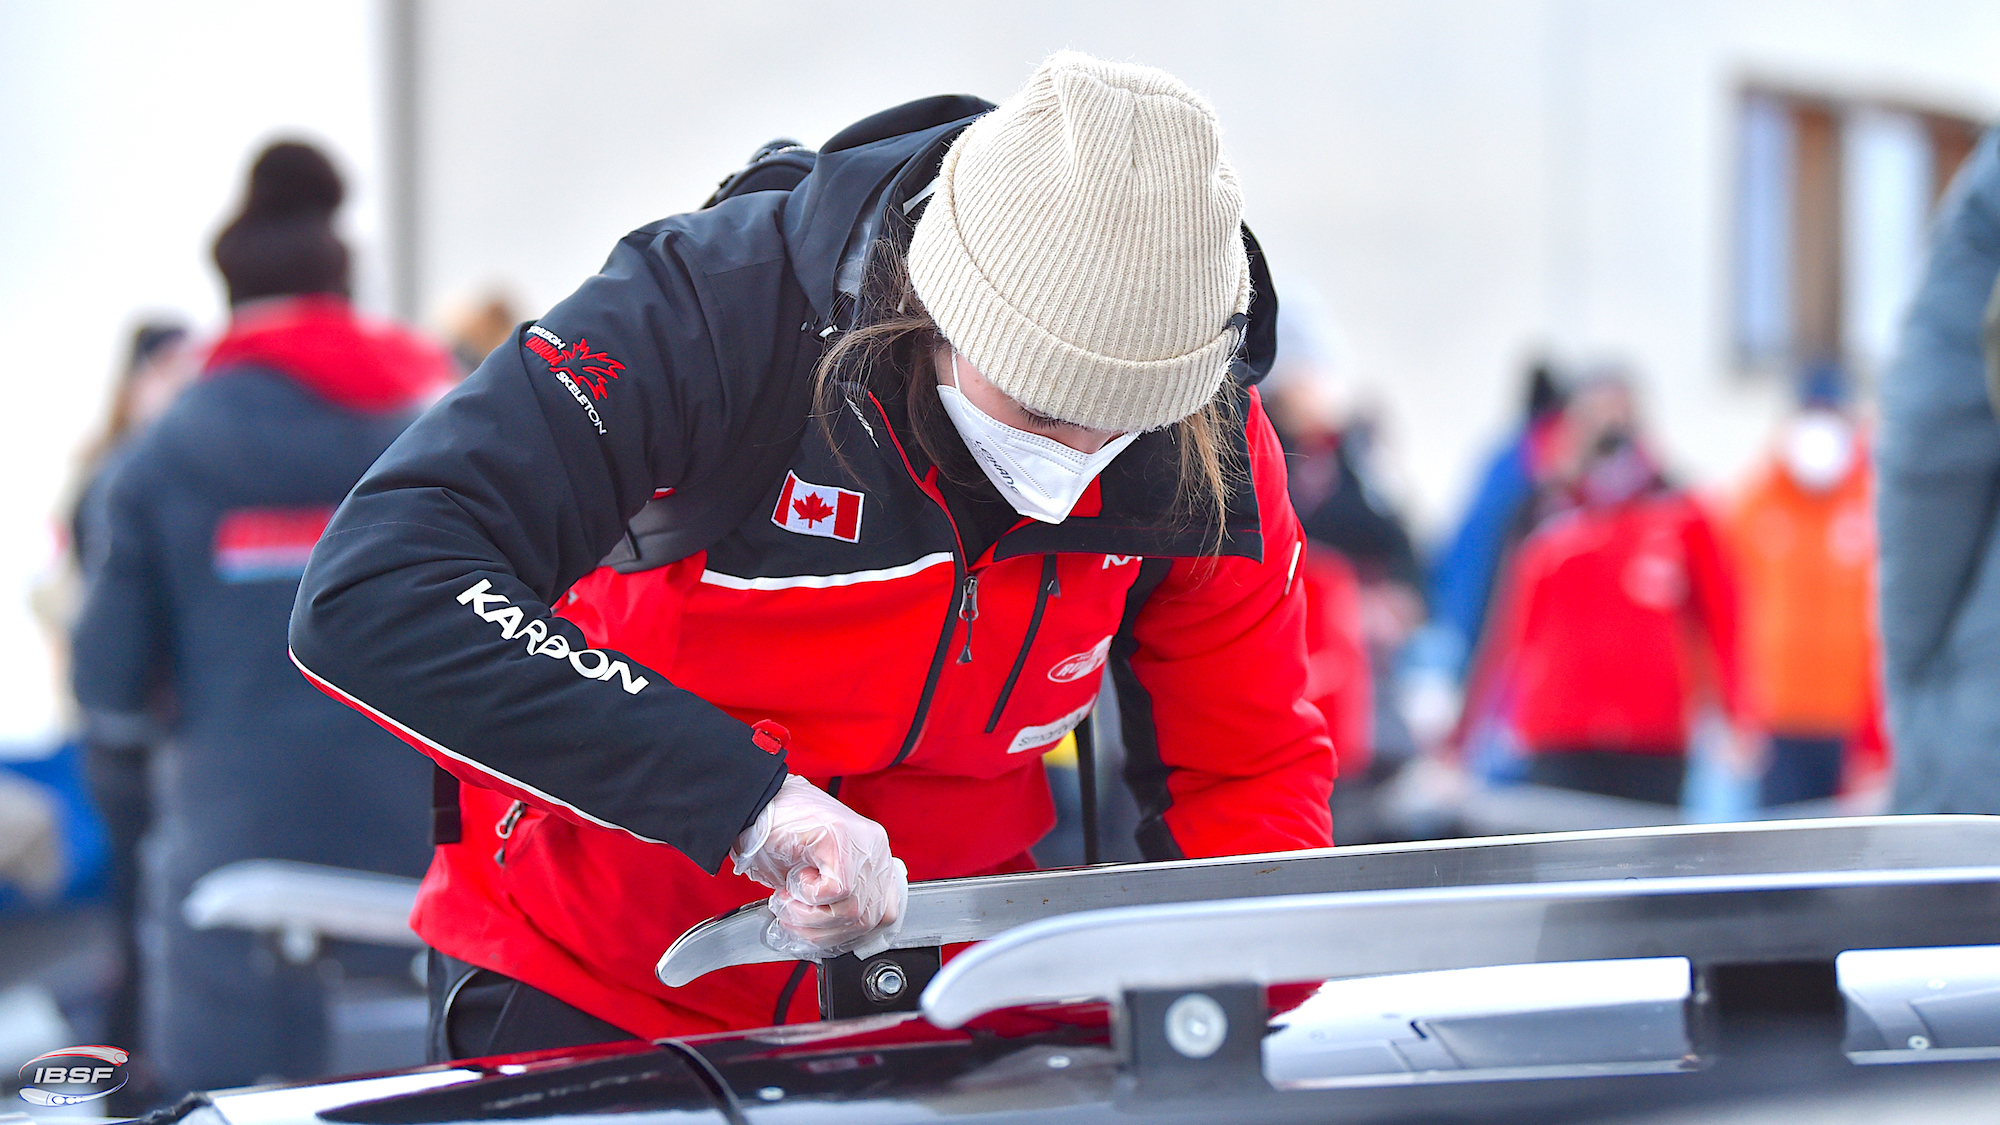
<point>282,242</point>
<point>1824,384</point>
<point>151,338</point>
<point>1546,393</point>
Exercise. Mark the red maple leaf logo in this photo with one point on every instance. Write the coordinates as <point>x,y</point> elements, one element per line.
<point>588,368</point>
<point>811,509</point>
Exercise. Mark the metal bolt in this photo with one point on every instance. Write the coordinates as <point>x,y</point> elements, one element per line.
<point>1196,1026</point>
<point>771,1093</point>
<point>298,942</point>
<point>883,980</point>
<point>1920,1043</point>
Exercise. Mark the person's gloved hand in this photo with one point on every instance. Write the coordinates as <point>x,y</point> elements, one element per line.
<point>837,887</point>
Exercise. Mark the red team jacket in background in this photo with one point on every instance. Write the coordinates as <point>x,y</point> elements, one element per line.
<point>1606,611</point>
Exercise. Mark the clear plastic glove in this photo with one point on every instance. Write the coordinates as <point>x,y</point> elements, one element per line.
<point>836,886</point>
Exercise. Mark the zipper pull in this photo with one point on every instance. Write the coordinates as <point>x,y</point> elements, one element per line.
<point>968,612</point>
<point>505,829</point>
<point>506,826</point>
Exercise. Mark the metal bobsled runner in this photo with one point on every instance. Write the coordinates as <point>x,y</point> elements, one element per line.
<point>1566,977</point>
<point>966,910</point>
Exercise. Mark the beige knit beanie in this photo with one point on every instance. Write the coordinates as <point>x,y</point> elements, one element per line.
<point>1082,248</point>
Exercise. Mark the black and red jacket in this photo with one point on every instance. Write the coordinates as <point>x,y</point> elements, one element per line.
<point>458,598</point>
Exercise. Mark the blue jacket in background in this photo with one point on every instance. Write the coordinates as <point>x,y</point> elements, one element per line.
<point>205,530</point>
<point>1467,568</point>
<point>197,541</point>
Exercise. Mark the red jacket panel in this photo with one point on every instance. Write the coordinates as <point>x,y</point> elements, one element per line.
<point>1596,626</point>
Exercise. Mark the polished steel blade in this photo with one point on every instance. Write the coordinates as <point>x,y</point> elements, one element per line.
<point>974,909</point>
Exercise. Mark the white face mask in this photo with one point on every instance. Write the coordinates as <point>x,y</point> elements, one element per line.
<point>1041,477</point>
<point>1819,450</point>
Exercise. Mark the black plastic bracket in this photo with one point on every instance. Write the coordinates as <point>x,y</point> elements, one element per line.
<point>890,981</point>
<point>1747,1008</point>
<point>1192,1042</point>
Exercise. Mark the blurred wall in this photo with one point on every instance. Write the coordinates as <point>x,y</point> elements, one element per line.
<point>127,130</point>
<point>1463,181</point>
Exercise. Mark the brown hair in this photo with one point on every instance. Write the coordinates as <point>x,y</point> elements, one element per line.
<point>890,353</point>
<point>150,339</point>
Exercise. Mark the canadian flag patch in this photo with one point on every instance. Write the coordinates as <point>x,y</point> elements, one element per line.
<point>818,509</point>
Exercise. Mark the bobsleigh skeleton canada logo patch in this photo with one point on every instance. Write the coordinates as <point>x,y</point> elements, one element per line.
<point>590,369</point>
<point>577,367</point>
<point>818,509</point>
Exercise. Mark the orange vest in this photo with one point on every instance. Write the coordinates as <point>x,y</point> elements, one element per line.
<point>1806,562</point>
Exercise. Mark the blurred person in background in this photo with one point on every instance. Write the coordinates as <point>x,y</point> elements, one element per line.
<point>159,364</point>
<point>70,819</point>
<point>1938,486</point>
<point>475,327</point>
<point>1503,510</point>
<point>1803,534</point>
<point>1589,647</point>
<point>1457,730</point>
<point>1360,569</point>
<point>159,361</point>
<point>1508,497</point>
<point>206,524</point>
